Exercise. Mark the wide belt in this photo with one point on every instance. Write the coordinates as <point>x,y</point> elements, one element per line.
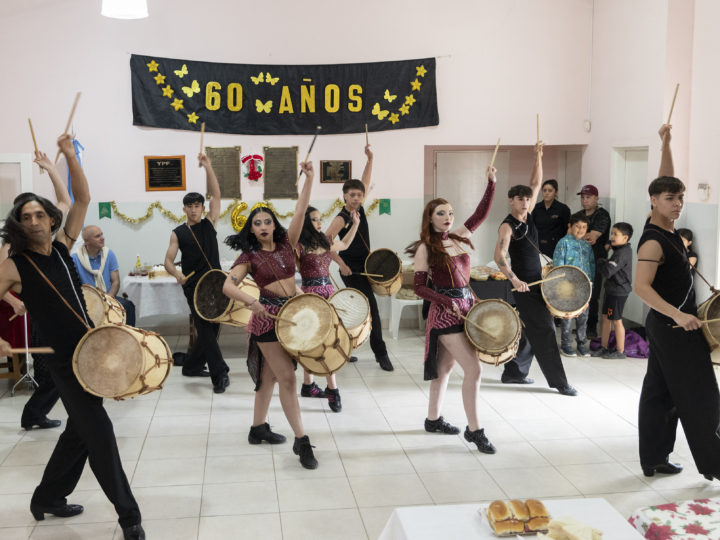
<point>316,281</point>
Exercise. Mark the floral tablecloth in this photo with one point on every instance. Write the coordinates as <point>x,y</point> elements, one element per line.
<point>688,520</point>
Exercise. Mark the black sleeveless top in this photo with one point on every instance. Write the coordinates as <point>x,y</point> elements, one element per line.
<point>524,257</point>
<point>191,257</point>
<point>673,279</point>
<point>356,253</point>
<point>59,327</point>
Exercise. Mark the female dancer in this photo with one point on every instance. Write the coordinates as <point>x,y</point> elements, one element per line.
<point>315,251</point>
<point>267,255</point>
<point>440,255</point>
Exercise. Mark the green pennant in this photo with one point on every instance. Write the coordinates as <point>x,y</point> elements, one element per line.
<point>384,206</point>
<point>105,210</point>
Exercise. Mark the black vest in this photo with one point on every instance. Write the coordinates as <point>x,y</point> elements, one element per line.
<point>524,257</point>
<point>192,258</point>
<point>356,253</point>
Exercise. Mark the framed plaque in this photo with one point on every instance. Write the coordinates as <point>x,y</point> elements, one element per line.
<point>335,172</point>
<point>281,172</point>
<point>226,164</point>
<point>164,173</point>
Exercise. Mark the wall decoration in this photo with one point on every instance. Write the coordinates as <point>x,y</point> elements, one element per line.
<point>226,164</point>
<point>281,172</point>
<point>164,173</point>
<point>335,172</point>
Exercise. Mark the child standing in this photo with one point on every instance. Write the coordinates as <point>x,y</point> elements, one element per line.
<point>617,272</point>
<point>573,250</point>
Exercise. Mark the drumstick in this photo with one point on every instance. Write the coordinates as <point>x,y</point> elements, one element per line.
<point>37,350</point>
<point>191,274</point>
<point>13,317</point>
<point>476,325</point>
<point>492,161</point>
<point>37,152</point>
<point>537,119</point>
<point>367,138</point>
<point>709,321</point>
<point>317,130</point>
<point>543,280</point>
<point>366,274</point>
<point>672,106</point>
<point>280,319</point>
<point>69,123</point>
<point>202,137</point>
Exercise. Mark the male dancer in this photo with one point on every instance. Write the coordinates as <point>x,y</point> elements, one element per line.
<point>41,271</point>
<point>197,240</point>
<point>518,237</point>
<point>354,192</point>
<point>679,383</point>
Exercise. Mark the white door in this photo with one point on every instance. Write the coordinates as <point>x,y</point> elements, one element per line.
<point>460,178</point>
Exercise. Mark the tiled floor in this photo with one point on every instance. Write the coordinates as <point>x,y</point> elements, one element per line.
<point>195,476</point>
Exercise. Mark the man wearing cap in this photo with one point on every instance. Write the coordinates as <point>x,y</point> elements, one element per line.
<point>597,236</point>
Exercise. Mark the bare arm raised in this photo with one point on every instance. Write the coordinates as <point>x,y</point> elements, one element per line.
<point>367,171</point>
<point>213,189</point>
<point>537,173</point>
<point>81,191</point>
<point>482,210</point>
<point>303,202</point>
<point>667,167</point>
<point>61,191</point>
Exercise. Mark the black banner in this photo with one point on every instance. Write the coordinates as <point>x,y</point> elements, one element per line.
<point>275,99</point>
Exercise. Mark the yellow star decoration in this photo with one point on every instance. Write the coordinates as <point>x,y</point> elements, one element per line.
<point>415,85</point>
<point>394,118</point>
<point>421,71</point>
<point>167,91</point>
<point>409,100</point>
<point>404,110</point>
<point>152,66</point>
<point>177,104</point>
<point>159,78</point>
<point>193,118</point>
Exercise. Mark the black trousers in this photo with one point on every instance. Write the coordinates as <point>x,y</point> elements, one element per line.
<point>88,436</point>
<point>594,307</point>
<point>520,365</point>
<point>45,395</point>
<point>129,310</point>
<point>361,283</point>
<point>540,333</point>
<point>679,384</point>
<point>206,349</point>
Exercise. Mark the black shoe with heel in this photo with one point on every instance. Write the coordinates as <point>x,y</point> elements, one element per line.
<point>303,448</point>
<point>65,510</point>
<point>133,532</point>
<point>45,423</point>
<point>481,441</point>
<point>385,363</point>
<point>334,399</point>
<point>440,425</point>
<point>663,468</point>
<point>262,433</point>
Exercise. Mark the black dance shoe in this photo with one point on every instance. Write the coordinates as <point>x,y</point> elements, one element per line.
<point>45,423</point>
<point>481,441</point>
<point>311,390</point>
<point>440,425</point>
<point>711,477</point>
<point>353,358</point>
<point>134,532</point>
<point>663,468</point>
<point>262,433</point>
<point>220,386</point>
<point>333,397</point>
<point>567,390</point>
<point>66,510</point>
<point>303,448</point>
<point>385,363</point>
<point>516,380</point>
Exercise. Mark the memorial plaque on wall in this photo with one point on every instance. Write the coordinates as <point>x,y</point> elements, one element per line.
<point>281,172</point>
<point>226,164</point>
<point>164,173</point>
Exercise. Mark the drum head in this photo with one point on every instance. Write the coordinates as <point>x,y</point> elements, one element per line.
<point>499,326</point>
<point>95,304</point>
<point>567,294</point>
<point>108,360</point>
<point>352,307</point>
<point>383,262</point>
<point>313,318</point>
<point>708,310</point>
<point>210,302</point>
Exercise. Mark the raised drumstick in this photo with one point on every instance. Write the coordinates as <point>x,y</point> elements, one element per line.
<point>317,130</point>
<point>543,280</point>
<point>367,138</point>
<point>69,122</point>
<point>537,119</point>
<point>32,350</point>
<point>37,152</point>
<point>202,137</point>
<point>672,106</point>
<point>492,161</point>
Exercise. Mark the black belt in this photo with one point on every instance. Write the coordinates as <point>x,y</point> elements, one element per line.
<point>456,292</point>
<point>278,301</point>
<point>316,281</point>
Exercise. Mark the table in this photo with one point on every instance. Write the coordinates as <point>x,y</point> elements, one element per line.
<point>157,296</point>
<point>464,521</point>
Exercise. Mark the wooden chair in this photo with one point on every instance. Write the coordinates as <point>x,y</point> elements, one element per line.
<point>15,367</point>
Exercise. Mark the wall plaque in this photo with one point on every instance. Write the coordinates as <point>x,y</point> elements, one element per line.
<point>281,172</point>
<point>164,173</point>
<point>226,164</point>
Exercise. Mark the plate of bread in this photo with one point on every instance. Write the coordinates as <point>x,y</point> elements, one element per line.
<point>517,517</point>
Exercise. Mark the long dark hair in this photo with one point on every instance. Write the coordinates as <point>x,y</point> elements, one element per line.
<point>13,232</point>
<point>433,240</point>
<point>246,241</point>
<point>310,238</point>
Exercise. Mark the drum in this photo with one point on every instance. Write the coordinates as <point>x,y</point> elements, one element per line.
<point>546,269</point>
<point>212,305</point>
<point>388,268</point>
<point>493,327</point>
<point>568,296</point>
<point>708,310</point>
<point>354,311</point>
<point>102,308</point>
<point>310,330</point>
<point>119,361</point>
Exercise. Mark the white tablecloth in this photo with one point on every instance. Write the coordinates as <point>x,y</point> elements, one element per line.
<point>464,521</point>
<point>158,296</point>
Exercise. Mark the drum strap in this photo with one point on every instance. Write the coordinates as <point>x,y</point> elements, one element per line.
<point>81,319</point>
<point>210,266</point>
<point>269,262</point>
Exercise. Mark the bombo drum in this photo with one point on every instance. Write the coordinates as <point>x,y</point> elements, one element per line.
<point>709,310</point>
<point>102,308</point>
<point>310,330</point>
<point>387,270</point>
<point>212,305</point>
<point>493,327</point>
<point>354,311</point>
<point>568,296</point>
<point>119,361</point>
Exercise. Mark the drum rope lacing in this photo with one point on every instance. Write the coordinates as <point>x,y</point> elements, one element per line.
<point>145,388</point>
<point>336,345</point>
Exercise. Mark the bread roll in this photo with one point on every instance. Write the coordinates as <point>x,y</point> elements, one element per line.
<point>509,526</point>
<point>536,508</point>
<point>498,511</point>
<point>519,510</point>
<point>538,524</point>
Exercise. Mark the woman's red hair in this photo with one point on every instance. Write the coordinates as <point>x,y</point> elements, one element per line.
<point>437,256</point>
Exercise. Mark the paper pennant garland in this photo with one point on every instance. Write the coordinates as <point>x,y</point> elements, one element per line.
<point>104,210</point>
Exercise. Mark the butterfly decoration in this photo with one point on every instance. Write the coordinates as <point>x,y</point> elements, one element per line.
<point>182,71</point>
<point>194,88</point>
<point>389,97</point>
<point>379,113</point>
<point>270,79</point>
<point>263,107</point>
<point>257,80</point>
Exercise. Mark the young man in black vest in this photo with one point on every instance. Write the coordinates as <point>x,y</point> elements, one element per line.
<point>41,271</point>
<point>197,241</point>
<point>354,192</point>
<point>680,383</point>
<point>517,236</point>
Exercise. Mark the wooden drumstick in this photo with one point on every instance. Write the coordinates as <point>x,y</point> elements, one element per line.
<point>537,120</point>
<point>202,138</point>
<point>709,321</point>
<point>191,274</point>
<point>36,350</point>
<point>672,106</point>
<point>281,319</point>
<point>366,274</point>
<point>13,317</point>
<point>69,123</point>
<point>492,161</point>
<point>317,131</point>
<point>367,137</point>
<point>37,152</point>
<point>542,281</point>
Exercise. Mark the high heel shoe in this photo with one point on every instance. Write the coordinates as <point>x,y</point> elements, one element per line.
<point>66,510</point>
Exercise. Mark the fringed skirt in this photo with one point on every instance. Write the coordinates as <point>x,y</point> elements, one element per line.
<point>442,321</point>
<point>262,330</point>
